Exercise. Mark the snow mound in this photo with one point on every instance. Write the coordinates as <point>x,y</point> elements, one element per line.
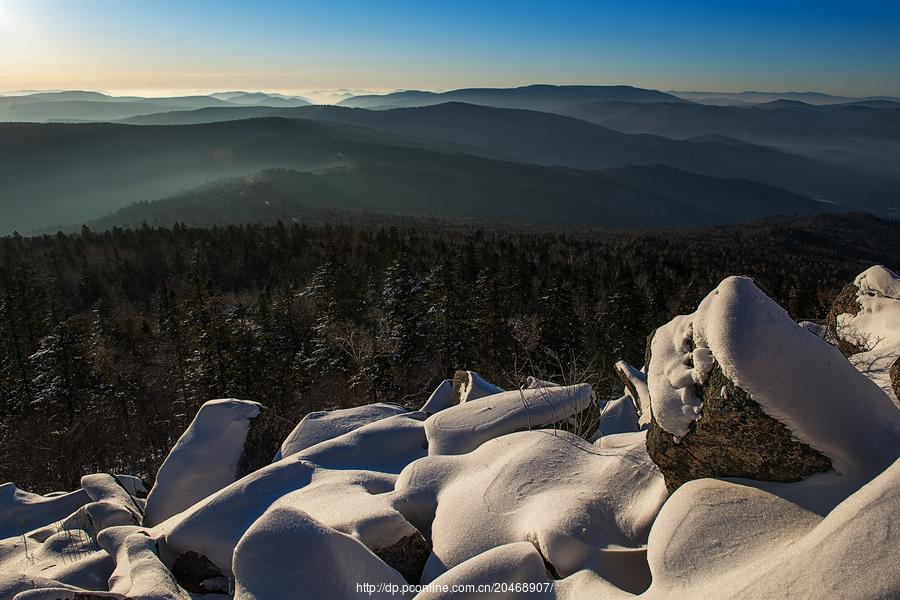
<point>618,416</point>
<point>463,428</point>
<point>204,460</point>
<point>328,424</point>
<point>289,554</point>
<point>795,377</point>
<point>440,398</point>
<point>545,487</point>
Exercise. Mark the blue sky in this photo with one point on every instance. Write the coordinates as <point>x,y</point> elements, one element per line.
<point>166,46</point>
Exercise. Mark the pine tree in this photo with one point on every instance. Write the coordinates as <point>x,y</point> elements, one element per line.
<point>402,300</point>
<point>622,323</point>
<point>559,324</point>
<point>444,317</point>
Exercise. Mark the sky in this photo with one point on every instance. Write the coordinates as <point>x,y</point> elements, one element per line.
<point>174,47</point>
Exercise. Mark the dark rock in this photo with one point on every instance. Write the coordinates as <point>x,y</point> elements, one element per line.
<point>647,350</point>
<point>407,556</point>
<point>191,569</point>
<point>460,380</point>
<point>895,377</point>
<point>733,438</point>
<point>845,303</point>
<point>469,385</point>
<point>262,442</point>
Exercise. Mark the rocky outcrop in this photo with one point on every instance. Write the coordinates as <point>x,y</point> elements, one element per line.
<point>468,386</point>
<point>895,377</point>
<point>733,438</point>
<point>846,302</point>
<point>407,556</point>
<point>194,572</point>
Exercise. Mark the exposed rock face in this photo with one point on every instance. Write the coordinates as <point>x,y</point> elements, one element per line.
<point>191,570</point>
<point>734,438</point>
<point>407,557</point>
<point>259,447</point>
<point>845,303</point>
<point>895,377</point>
<point>468,386</point>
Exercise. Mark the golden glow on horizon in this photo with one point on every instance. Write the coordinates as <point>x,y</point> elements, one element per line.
<point>147,48</point>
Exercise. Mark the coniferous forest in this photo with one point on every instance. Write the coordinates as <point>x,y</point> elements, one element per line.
<point>110,341</point>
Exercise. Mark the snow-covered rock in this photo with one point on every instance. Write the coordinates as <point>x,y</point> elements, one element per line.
<point>618,416</point>
<point>440,398</point>
<point>148,577</point>
<point>636,387</point>
<point>871,328</point>
<point>289,554</point>
<point>66,550</point>
<point>339,481</point>
<point>508,565</point>
<point>716,539</point>
<point>464,427</point>
<point>740,350</point>
<point>204,460</point>
<point>324,425</point>
<point>384,446</point>
<point>22,511</point>
<point>469,385</point>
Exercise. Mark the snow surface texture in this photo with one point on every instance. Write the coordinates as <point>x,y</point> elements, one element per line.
<point>462,428</point>
<point>876,328</point>
<point>536,486</point>
<point>323,425</point>
<point>441,398</point>
<point>500,500</point>
<point>618,416</point>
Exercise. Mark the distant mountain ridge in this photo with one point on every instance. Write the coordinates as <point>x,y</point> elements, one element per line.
<point>610,155</point>
<point>96,106</point>
<point>754,97</point>
<point>553,139</point>
<point>534,97</point>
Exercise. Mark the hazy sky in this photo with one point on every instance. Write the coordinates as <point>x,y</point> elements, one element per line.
<point>163,46</point>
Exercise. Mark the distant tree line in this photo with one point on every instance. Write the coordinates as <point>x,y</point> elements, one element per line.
<point>110,341</point>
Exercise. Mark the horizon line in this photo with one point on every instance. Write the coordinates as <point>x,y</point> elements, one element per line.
<point>185,92</point>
